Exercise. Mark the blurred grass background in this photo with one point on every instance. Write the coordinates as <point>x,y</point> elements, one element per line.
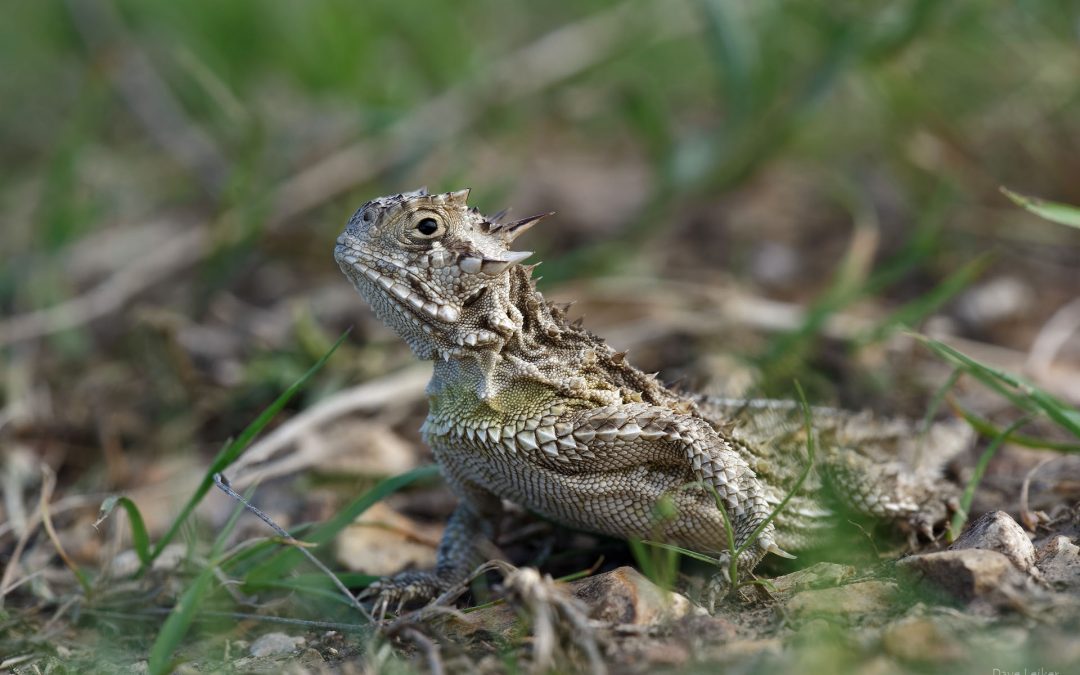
<point>161,160</point>
<point>173,176</point>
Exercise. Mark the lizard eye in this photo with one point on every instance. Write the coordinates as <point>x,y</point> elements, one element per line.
<point>428,228</point>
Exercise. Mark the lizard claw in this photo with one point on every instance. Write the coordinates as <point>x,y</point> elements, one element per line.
<point>718,587</point>
<point>406,588</point>
<point>776,550</point>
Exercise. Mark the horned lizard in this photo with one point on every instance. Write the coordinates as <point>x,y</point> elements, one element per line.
<point>528,407</point>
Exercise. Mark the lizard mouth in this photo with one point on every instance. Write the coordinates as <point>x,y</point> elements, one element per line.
<point>356,264</point>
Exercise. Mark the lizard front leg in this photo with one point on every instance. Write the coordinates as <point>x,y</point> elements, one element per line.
<point>618,436</point>
<point>467,542</point>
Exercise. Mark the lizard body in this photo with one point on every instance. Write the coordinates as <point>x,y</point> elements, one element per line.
<point>527,407</point>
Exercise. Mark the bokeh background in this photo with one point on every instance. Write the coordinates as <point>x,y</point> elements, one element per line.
<point>746,193</point>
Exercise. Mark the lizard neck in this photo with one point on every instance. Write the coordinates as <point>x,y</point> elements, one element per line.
<point>545,354</point>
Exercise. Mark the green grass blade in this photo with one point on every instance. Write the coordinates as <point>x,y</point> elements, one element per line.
<point>1055,212</point>
<point>1021,393</point>
<point>784,352</point>
<point>727,41</point>
<point>178,622</point>
<point>643,559</point>
<point>184,612</point>
<point>961,515</point>
<point>915,311</point>
<point>278,566</point>
<point>319,585</point>
<point>684,551</point>
<point>937,400</point>
<point>987,429</point>
<point>232,451</point>
<point>811,454</point>
<point>140,540</point>
<point>307,581</point>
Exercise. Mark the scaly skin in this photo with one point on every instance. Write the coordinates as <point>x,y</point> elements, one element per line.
<point>529,408</point>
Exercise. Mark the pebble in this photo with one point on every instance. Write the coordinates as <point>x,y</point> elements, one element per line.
<point>275,644</point>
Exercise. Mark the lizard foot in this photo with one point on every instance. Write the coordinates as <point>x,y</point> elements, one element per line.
<point>717,588</point>
<point>721,584</point>
<point>407,588</point>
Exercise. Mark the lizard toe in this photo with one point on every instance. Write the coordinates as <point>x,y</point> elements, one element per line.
<point>400,591</point>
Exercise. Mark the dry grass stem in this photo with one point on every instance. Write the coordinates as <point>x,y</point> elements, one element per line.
<point>223,485</point>
<point>48,483</point>
<point>428,647</point>
<point>1029,519</point>
<point>1051,338</point>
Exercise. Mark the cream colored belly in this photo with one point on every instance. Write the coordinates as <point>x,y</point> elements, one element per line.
<point>621,503</point>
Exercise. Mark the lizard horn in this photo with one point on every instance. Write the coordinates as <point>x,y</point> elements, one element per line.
<point>495,266</point>
<point>472,265</point>
<point>458,197</point>
<point>511,231</point>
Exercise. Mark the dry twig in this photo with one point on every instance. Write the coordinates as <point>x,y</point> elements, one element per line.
<point>223,484</point>
<point>1029,519</point>
<point>428,646</point>
<point>1052,337</point>
<point>48,483</point>
<point>6,584</point>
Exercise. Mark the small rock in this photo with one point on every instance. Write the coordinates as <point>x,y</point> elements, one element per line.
<point>820,575</point>
<point>967,574</point>
<point>997,531</point>
<point>864,597</point>
<point>774,263</point>
<point>170,558</point>
<point>995,300</point>
<point>125,564</point>
<point>310,660</point>
<point>1059,561</point>
<point>625,596</point>
<point>274,644</point>
<point>921,639</point>
<point>703,629</point>
<point>500,621</point>
<point>621,596</point>
<point>741,650</point>
<point>663,653</point>
<point>878,665</point>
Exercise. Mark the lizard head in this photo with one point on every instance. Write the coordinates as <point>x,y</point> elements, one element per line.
<point>435,270</point>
